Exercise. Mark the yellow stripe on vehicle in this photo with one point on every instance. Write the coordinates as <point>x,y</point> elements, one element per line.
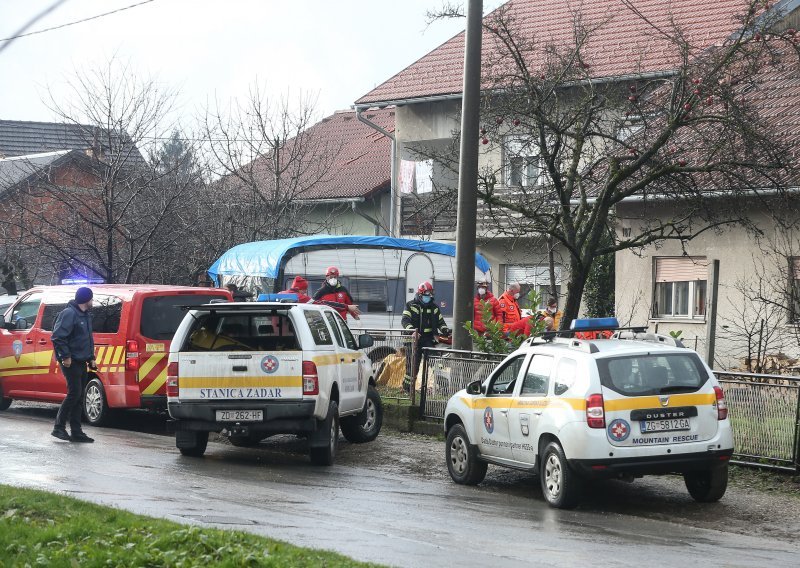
<point>323,360</point>
<point>149,363</point>
<point>98,357</point>
<point>157,383</point>
<point>241,382</point>
<point>524,402</point>
<point>637,403</point>
<point>119,353</point>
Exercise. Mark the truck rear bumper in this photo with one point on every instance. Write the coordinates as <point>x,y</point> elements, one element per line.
<point>279,417</point>
<point>651,465</point>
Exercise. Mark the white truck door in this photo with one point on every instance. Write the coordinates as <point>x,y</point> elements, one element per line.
<point>350,397</point>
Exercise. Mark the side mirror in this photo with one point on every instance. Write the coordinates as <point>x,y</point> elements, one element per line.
<point>475,387</point>
<point>365,340</point>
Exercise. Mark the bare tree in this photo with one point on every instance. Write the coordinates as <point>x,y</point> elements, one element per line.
<point>265,160</point>
<point>577,148</point>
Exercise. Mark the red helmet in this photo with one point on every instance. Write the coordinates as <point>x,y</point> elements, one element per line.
<point>425,287</point>
<point>332,271</point>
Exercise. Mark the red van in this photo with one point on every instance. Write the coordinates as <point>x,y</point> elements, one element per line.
<point>133,326</point>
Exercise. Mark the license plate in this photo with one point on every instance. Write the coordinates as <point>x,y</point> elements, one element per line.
<point>240,415</point>
<point>664,425</point>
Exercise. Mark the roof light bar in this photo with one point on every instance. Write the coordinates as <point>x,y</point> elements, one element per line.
<point>594,324</point>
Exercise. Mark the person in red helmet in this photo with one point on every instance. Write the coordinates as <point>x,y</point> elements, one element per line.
<point>333,294</point>
<point>422,320</point>
<point>299,287</point>
<point>482,297</point>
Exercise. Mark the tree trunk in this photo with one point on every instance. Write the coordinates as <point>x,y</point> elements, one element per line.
<point>578,273</point>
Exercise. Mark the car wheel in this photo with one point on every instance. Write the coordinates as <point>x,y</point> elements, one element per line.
<point>707,486</point>
<point>366,425</point>
<point>560,485</point>
<point>193,444</point>
<point>4,402</point>
<point>325,455</point>
<point>95,406</point>
<point>462,458</point>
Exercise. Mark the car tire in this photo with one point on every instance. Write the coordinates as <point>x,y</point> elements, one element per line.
<point>325,455</point>
<point>366,425</point>
<point>708,485</point>
<point>95,405</point>
<point>4,402</point>
<point>462,458</point>
<point>561,487</point>
<point>197,447</point>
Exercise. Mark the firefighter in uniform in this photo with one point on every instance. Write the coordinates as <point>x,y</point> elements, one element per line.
<point>483,296</point>
<point>423,319</point>
<point>509,307</point>
<point>333,294</point>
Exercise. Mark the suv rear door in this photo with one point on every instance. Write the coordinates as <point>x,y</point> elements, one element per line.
<point>657,398</point>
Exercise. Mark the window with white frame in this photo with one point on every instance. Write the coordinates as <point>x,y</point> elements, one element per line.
<point>680,287</point>
<point>794,288</point>
<point>533,278</point>
<point>522,163</point>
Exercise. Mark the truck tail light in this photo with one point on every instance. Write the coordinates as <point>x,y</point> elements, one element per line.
<point>310,378</point>
<point>595,411</point>
<point>173,387</point>
<point>722,406</point>
<point>132,355</point>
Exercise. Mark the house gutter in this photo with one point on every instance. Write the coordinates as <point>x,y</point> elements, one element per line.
<point>392,171</point>
<point>352,200</point>
<point>710,194</point>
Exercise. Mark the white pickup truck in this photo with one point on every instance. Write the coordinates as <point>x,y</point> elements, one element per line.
<point>254,369</point>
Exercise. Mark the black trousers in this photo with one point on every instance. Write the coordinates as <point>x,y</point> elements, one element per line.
<point>413,361</point>
<point>70,410</point>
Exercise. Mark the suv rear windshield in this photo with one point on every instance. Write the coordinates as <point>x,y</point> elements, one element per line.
<point>242,332</point>
<point>649,374</point>
<point>161,315</point>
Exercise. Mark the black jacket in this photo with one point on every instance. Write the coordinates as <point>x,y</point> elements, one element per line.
<point>72,334</point>
<point>425,318</point>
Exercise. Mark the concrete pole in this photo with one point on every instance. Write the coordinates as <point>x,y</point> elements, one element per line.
<point>711,325</point>
<point>468,178</point>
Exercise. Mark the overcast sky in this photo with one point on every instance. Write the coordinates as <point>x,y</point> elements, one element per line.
<point>338,49</point>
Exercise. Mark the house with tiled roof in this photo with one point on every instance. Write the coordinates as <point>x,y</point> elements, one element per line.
<point>623,44</point>
<point>343,182</point>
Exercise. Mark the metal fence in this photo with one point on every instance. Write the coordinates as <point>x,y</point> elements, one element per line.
<point>765,415</point>
<point>387,342</point>
<point>447,371</point>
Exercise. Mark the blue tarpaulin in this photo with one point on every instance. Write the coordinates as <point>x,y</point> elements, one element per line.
<point>265,259</point>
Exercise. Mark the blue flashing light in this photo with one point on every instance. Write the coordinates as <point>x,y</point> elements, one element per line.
<point>278,298</point>
<point>82,280</point>
<point>593,324</point>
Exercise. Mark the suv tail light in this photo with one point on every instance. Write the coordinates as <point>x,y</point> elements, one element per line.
<point>132,355</point>
<point>310,378</point>
<point>722,406</point>
<point>595,411</point>
<point>173,387</point>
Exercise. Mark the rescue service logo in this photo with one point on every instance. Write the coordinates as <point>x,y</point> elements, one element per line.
<point>269,364</point>
<point>619,430</point>
<point>488,419</point>
<point>16,347</point>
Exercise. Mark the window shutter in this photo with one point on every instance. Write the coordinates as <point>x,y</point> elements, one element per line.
<point>534,275</point>
<point>681,269</point>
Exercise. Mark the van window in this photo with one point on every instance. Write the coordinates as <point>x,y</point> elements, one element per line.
<point>346,333</point>
<point>338,334</point>
<point>242,332</point>
<point>161,315</point>
<point>24,314</point>
<point>370,295</point>
<point>649,374</point>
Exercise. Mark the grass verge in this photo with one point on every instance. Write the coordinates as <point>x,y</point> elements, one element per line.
<point>45,529</point>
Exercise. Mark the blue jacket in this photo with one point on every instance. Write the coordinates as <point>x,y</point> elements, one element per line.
<point>72,334</point>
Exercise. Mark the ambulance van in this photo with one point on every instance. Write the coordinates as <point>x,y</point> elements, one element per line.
<point>133,326</point>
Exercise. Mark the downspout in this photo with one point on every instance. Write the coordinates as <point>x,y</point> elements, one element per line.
<point>368,122</point>
<point>365,216</point>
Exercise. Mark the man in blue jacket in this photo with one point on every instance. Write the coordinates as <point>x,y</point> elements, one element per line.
<point>74,349</point>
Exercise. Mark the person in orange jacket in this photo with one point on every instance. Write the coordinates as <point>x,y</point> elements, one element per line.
<point>299,287</point>
<point>525,326</point>
<point>483,296</point>
<point>551,311</point>
<point>509,307</point>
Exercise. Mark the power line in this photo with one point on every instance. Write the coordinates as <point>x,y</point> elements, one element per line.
<point>32,21</point>
<point>77,21</point>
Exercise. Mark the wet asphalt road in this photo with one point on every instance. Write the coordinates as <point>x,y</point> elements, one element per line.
<point>408,515</point>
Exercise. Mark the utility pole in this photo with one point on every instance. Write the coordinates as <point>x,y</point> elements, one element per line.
<point>468,177</point>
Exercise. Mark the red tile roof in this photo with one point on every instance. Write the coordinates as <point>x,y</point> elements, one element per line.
<point>361,164</point>
<point>623,42</point>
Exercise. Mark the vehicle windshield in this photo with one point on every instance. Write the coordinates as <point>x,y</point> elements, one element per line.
<point>242,332</point>
<point>161,315</point>
<point>649,374</point>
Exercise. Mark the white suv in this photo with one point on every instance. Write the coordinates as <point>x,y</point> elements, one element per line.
<point>254,369</point>
<point>573,409</point>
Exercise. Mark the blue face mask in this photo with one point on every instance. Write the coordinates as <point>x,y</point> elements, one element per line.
<point>426,299</point>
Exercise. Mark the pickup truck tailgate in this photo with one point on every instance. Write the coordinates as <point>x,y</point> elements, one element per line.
<point>241,375</point>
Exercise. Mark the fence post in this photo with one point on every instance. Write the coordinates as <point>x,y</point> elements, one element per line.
<point>796,457</point>
<point>424,382</point>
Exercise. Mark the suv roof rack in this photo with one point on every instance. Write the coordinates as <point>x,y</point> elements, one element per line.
<point>639,335</point>
<point>585,345</point>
